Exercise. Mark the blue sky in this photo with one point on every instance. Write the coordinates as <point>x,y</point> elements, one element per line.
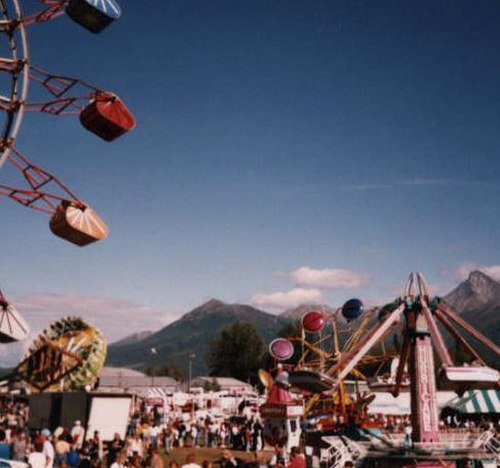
<point>284,152</point>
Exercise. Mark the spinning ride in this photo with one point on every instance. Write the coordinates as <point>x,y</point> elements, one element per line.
<point>324,336</point>
<point>100,111</point>
<point>12,325</point>
<point>67,356</point>
<point>420,316</point>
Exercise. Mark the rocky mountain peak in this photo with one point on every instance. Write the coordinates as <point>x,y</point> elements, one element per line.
<point>212,304</point>
<point>481,283</point>
<point>475,292</point>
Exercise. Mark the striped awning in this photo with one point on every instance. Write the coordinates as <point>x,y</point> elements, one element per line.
<point>478,401</point>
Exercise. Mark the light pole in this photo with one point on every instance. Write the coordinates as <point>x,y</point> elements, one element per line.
<point>190,370</point>
<point>153,353</point>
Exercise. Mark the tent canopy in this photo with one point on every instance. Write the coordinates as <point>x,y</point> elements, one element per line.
<point>478,402</point>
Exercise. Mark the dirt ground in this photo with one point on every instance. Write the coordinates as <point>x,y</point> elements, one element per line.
<point>213,454</point>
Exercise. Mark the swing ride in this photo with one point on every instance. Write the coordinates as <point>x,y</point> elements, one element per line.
<point>416,317</point>
<point>323,337</point>
<point>101,112</point>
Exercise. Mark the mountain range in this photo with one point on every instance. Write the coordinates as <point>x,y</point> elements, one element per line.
<point>477,300</point>
<point>191,335</point>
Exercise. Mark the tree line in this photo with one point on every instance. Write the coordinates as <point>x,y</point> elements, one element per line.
<point>238,351</point>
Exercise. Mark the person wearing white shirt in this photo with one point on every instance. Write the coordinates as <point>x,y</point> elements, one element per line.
<point>36,459</point>
<point>77,433</point>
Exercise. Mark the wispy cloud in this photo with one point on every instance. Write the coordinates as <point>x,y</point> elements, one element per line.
<point>328,278</point>
<point>288,299</point>
<point>116,318</point>
<point>417,182</point>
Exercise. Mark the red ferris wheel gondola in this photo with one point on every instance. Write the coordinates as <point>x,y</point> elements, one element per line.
<point>72,219</point>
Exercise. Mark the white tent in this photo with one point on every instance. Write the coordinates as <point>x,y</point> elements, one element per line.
<point>385,403</point>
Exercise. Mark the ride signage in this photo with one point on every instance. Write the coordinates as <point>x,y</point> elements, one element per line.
<point>273,411</point>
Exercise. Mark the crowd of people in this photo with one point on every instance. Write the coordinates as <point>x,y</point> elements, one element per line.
<point>151,437</point>
<point>148,442</point>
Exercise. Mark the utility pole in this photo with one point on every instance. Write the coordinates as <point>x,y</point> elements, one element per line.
<point>153,353</point>
<point>190,370</point>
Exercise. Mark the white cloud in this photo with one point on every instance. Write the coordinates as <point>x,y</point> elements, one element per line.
<point>116,318</point>
<point>288,299</point>
<point>493,271</point>
<point>328,278</point>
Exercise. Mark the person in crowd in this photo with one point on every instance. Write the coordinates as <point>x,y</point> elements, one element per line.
<point>5,450</point>
<point>61,448</point>
<point>48,448</point>
<point>73,456</point>
<point>155,460</point>
<point>167,438</point>
<point>297,459</point>
<point>191,461</point>
<point>95,446</point>
<point>78,432</point>
<point>84,458</point>
<point>19,446</point>
<point>36,458</point>
<point>280,458</point>
<point>227,459</point>
<point>120,461</point>
<point>134,446</point>
<point>114,448</point>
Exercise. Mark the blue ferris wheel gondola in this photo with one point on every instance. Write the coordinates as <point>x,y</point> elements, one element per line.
<point>94,15</point>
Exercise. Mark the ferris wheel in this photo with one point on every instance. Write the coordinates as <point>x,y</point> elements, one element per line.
<point>100,111</point>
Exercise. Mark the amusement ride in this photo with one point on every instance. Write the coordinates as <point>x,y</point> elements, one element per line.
<point>323,336</point>
<point>421,322</point>
<point>71,353</point>
<point>100,111</point>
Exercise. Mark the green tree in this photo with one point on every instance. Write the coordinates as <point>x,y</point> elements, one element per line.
<point>237,352</point>
<point>211,385</point>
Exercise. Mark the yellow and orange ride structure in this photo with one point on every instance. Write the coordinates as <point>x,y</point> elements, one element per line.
<point>323,336</point>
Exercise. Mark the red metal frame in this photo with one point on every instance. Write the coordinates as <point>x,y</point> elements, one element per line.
<point>54,9</point>
<point>469,328</point>
<point>37,179</point>
<point>59,87</point>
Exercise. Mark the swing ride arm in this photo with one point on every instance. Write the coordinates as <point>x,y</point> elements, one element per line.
<point>356,354</point>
